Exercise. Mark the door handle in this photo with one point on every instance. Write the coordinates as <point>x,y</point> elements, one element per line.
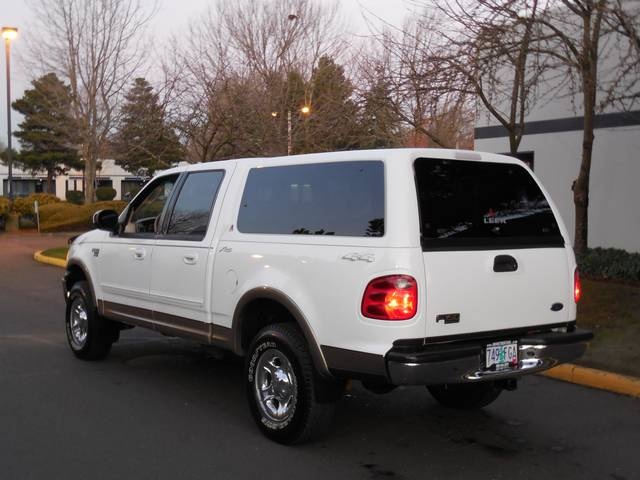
<point>190,258</point>
<point>139,253</point>
<point>505,263</point>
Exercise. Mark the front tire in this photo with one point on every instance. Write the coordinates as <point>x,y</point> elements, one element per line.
<point>284,391</point>
<point>89,336</point>
<point>465,396</point>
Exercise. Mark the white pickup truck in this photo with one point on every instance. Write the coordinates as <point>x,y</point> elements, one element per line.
<point>443,268</point>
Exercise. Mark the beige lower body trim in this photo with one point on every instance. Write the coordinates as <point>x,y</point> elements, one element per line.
<point>174,325</point>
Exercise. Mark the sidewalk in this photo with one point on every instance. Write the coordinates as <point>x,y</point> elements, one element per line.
<point>28,242</point>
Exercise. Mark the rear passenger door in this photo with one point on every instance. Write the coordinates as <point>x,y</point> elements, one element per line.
<point>181,261</point>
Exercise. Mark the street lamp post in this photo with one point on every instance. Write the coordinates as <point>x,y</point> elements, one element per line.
<point>9,34</point>
<point>289,142</point>
<point>305,110</point>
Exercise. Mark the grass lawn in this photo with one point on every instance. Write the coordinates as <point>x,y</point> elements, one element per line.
<point>58,252</point>
<point>612,311</point>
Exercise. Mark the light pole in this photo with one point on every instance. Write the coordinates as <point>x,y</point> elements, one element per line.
<point>289,142</point>
<point>305,110</point>
<point>9,34</point>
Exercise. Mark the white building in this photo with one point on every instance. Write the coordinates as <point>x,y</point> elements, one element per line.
<point>24,183</point>
<point>553,142</point>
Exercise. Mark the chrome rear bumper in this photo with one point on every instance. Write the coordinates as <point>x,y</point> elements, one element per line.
<point>460,362</point>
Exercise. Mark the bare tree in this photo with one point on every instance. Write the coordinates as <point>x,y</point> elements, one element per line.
<point>98,47</point>
<point>509,48</point>
<point>273,37</point>
<point>490,44</point>
<point>235,71</point>
<point>422,90</point>
<point>580,34</point>
<point>624,22</point>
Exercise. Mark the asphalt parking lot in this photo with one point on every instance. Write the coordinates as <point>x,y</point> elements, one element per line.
<point>162,408</point>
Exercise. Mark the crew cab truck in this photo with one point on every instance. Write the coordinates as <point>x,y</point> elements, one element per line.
<point>443,268</point>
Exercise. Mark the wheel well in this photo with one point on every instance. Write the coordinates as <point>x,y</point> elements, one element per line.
<point>74,275</point>
<point>258,314</point>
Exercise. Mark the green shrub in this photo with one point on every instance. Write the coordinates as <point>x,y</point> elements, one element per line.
<point>67,216</point>
<point>24,205</point>
<point>105,194</point>
<point>610,263</point>
<point>75,196</point>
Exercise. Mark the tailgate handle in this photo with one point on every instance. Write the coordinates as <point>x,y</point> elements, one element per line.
<point>505,263</point>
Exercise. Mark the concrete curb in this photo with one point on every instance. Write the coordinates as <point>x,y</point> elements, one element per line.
<point>590,377</point>
<point>56,262</point>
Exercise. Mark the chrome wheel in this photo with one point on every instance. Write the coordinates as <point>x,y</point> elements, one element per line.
<point>276,386</point>
<point>78,323</point>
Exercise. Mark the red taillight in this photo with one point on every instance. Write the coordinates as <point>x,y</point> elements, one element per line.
<point>393,297</point>
<point>577,286</point>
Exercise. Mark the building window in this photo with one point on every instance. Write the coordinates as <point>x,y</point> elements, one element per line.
<point>526,157</point>
<point>74,184</point>
<point>104,182</point>
<point>22,187</point>
<point>129,187</point>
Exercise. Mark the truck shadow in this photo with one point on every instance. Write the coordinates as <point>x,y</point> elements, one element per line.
<point>405,418</point>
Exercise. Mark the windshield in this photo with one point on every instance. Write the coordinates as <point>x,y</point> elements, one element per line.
<point>470,204</point>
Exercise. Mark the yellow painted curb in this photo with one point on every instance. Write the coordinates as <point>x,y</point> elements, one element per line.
<point>56,262</point>
<point>590,377</point>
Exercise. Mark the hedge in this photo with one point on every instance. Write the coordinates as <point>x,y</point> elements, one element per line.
<point>75,196</point>
<point>105,194</point>
<point>610,263</point>
<point>65,216</point>
<point>4,208</point>
<point>24,205</point>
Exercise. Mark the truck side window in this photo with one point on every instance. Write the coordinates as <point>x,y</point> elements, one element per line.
<point>190,215</point>
<point>338,198</point>
<point>146,213</point>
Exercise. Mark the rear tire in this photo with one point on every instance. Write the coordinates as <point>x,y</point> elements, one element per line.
<point>465,396</point>
<point>288,400</point>
<point>89,336</point>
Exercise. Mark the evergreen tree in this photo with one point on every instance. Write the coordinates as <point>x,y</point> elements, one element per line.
<point>333,121</point>
<point>380,125</point>
<point>144,142</point>
<point>47,132</point>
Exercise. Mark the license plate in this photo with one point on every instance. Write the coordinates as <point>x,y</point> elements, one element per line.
<point>502,354</point>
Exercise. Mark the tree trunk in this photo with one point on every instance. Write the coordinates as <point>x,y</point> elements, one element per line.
<point>581,188</point>
<point>50,181</point>
<point>589,74</point>
<point>513,142</point>
<point>89,174</point>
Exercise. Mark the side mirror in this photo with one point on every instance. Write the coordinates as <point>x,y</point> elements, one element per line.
<point>106,220</point>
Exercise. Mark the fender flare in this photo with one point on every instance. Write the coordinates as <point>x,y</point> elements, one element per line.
<point>268,293</point>
<point>77,263</point>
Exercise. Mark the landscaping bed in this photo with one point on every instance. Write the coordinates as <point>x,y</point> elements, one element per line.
<point>65,216</point>
<point>55,215</point>
<point>612,310</point>
<point>57,252</point>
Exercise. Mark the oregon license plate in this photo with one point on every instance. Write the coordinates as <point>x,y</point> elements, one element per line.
<point>502,355</point>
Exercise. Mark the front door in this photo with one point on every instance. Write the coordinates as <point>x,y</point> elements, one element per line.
<point>125,259</point>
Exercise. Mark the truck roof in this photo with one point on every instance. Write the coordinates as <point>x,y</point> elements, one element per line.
<point>395,154</point>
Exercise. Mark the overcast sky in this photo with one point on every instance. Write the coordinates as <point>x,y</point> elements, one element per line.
<point>173,15</point>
